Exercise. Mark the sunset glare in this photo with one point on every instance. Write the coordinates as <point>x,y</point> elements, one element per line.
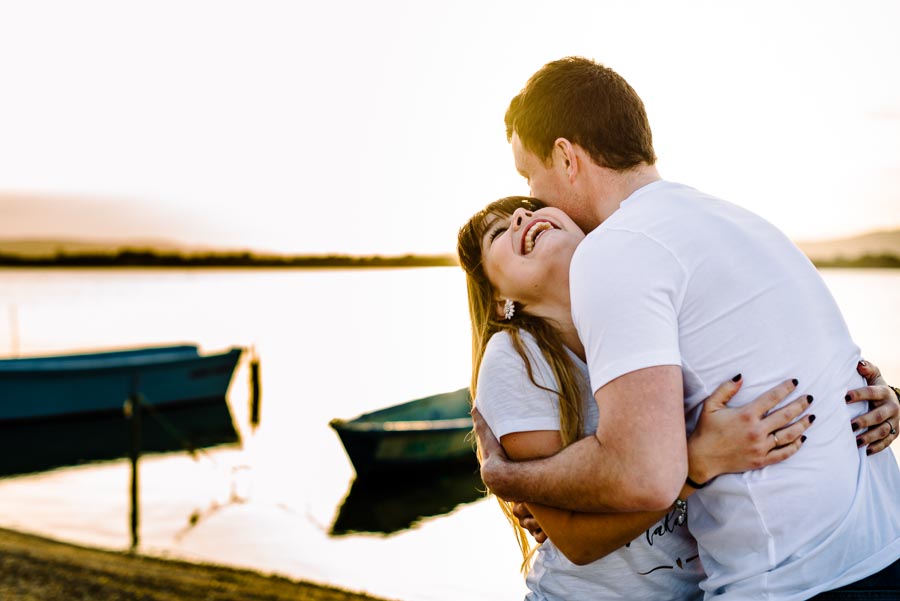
<point>358,127</point>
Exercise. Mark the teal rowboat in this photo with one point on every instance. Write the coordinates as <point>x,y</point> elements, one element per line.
<point>419,434</point>
<point>66,409</point>
<point>54,387</point>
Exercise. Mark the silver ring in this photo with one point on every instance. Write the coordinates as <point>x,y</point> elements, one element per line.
<point>893,430</point>
<point>775,436</point>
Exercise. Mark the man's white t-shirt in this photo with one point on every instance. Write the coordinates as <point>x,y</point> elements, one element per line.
<point>676,277</point>
<point>659,565</point>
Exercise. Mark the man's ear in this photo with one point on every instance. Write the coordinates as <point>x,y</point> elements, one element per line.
<point>565,154</point>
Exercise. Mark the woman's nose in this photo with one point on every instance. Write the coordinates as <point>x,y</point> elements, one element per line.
<point>519,217</point>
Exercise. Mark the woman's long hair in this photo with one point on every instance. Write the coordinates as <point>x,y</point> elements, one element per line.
<point>486,323</point>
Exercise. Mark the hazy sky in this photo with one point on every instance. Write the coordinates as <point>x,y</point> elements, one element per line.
<point>363,126</point>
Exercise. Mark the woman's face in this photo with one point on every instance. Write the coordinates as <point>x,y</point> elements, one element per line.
<point>526,256</point>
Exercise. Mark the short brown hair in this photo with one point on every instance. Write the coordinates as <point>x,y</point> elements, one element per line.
<point>589,105</point>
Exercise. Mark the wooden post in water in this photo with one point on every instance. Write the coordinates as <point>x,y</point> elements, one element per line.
<point>14,330</point>
<point>255,390</point>
<point>133,413</point>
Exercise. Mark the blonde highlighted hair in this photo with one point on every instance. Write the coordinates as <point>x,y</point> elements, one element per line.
<point>486,322</point>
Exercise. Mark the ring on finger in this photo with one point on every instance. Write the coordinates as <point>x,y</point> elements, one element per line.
<point>775,436</point>
<point>891,426</point>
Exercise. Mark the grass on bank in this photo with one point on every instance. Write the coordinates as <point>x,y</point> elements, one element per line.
<point>38,569</point>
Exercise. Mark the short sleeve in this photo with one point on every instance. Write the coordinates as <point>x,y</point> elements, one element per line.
<point>626,290</point>
<point>506,397</point>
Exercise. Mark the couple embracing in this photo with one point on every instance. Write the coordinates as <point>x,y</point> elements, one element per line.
<point>666,394</point>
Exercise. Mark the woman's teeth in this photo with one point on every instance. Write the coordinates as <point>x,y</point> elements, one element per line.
<point>533,232</point>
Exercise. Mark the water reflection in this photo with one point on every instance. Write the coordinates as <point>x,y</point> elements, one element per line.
<point>384,505</point>
<point>49,444</point>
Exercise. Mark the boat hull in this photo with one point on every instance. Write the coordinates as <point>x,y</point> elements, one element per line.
<point>372,452</point>
<point>417,435</point>
<point>47,387</point>
<point>64,410</point>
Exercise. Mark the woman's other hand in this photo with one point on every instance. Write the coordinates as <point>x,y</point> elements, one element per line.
<point>529,522</point>
<point>729,440</point>
<point>879,427</point>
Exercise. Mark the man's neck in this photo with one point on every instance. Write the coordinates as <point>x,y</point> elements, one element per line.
<point>613,187</point>
<point>556,308</point>
<point>566,327</point>
<point>571,340</point>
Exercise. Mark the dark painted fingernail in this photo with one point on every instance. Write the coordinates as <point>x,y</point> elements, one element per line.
<point>795,381</point>
<point>802,439</point>
<point>868,451</point>
<point>737,378</point>
<point>859,442</point>
<point>855,426</point>
<point>812,418</point>
<point>809,398</point>
<point>847,398</point>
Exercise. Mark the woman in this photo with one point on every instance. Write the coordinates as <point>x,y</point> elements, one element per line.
<point>529,382</point>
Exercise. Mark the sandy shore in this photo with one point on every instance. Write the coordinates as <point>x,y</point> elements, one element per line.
<point>37,569</point>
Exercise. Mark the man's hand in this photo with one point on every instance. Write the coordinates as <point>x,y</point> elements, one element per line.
<point>491,455</point>
<point>882,418</point>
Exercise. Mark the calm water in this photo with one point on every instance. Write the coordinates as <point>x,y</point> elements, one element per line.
<point>332,344</point>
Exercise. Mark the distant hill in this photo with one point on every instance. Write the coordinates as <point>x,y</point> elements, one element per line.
<point>873,244</point>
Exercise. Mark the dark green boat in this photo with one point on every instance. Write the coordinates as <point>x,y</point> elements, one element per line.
<point>419,434</point>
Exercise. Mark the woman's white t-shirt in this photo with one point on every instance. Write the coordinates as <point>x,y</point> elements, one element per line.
<point>659,565</point>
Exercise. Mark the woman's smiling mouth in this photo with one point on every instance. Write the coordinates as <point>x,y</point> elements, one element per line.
<point>535,229</point>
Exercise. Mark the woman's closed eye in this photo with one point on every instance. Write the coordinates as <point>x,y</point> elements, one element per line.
<point>496,232</point>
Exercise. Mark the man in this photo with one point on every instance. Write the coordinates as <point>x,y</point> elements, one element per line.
<point>672,291</point>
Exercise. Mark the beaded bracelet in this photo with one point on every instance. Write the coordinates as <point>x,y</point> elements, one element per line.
<point>681,510</point>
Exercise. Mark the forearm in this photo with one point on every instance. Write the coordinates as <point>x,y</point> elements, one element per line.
<point>587,476</point>
<point>586,537</point>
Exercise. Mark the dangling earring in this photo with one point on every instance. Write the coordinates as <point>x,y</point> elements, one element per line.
<point>509,309</point>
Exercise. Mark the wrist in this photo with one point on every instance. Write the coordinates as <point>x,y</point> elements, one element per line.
<point>496,477</point>
<point>697,485</point>
<point>896,391</point>
<point>698,473</point>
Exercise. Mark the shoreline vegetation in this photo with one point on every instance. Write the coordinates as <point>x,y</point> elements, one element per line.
<point>151,258</point>
<point>865,261</point>
<point>33,568</point>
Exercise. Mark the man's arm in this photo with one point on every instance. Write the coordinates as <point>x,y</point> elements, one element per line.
<point>726,440</point>
<point>636,462</point>
<point>581,537</point>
